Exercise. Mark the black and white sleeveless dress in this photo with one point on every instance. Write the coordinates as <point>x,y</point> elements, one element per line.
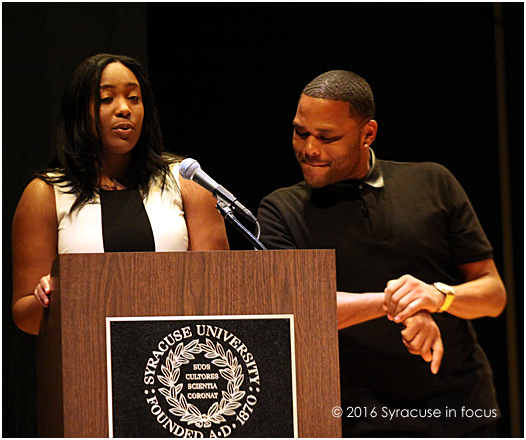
<point>122,221</point>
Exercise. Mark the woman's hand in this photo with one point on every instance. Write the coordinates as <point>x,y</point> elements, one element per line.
<point>43,290</point>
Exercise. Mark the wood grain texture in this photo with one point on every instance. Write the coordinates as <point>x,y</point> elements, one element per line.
<point>96,286</point>
<point>50,418</point>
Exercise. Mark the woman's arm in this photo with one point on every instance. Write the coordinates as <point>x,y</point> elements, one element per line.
<point>206,227</point>
<point>34,239</point>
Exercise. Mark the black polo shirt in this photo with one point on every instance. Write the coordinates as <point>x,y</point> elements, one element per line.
<point>403,218</point>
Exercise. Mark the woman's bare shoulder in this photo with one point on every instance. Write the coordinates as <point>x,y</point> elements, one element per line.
<point>38,197</point>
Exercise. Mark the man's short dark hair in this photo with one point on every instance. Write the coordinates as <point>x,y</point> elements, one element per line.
<point>341,85</point>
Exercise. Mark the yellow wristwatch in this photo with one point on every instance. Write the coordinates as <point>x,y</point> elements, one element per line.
<point>448,292</point>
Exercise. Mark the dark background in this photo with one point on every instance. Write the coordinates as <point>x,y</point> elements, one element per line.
<point>227,79</point>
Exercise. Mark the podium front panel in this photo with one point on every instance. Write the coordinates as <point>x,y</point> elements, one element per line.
<point>93,287</point>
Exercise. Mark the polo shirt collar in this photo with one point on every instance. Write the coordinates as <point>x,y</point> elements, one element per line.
<point>374,177</point>
<point>349,189</point>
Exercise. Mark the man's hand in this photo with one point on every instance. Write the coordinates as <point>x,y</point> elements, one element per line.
<point>407,295</point>
<point>421,336</point>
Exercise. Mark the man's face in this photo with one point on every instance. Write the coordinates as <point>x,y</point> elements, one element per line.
<point>329,146</point>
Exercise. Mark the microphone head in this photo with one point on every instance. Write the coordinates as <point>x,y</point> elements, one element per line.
<point>188,167</point>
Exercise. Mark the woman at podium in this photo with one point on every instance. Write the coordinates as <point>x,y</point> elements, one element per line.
<point>113,188</point>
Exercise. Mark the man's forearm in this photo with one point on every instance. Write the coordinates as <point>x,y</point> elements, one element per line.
<point>355,308</point>
<point>482,297</point>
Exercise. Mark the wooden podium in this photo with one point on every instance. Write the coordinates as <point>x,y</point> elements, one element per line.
<point>71,354</point>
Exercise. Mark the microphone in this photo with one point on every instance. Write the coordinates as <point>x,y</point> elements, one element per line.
<point>190,169</point>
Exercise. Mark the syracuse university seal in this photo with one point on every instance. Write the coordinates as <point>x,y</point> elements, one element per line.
<point>201,381</point>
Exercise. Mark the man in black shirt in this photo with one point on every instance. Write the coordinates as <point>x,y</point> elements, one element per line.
<point>409,247</point>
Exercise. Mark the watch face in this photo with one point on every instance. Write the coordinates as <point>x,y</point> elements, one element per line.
<point>444,288</point>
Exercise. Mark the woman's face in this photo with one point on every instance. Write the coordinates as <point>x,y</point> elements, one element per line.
<point>121,111</point>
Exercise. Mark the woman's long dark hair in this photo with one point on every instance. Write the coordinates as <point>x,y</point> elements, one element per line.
<point>79,149</point>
